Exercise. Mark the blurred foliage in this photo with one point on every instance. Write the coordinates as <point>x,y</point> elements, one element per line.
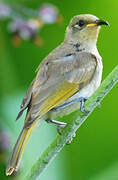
<point>93,154</point>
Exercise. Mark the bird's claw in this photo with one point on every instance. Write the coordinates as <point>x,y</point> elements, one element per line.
<point>82,101</point>
<point>59,127</point>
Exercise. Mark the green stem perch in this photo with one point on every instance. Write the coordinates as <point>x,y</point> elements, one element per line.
<point>75,120</point>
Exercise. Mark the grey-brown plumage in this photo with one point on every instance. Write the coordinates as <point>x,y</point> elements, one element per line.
<point>72,70</point>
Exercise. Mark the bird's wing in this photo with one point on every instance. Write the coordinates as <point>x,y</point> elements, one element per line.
<point>42,76</point>
<point>63,77</point>
<point>26,101</point>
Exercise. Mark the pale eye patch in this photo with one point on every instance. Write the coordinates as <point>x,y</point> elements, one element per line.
<point>76,26</point>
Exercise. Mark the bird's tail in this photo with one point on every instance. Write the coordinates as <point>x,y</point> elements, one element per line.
<point>18,150</point>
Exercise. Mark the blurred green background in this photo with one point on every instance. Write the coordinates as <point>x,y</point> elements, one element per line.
<point>93,154</point>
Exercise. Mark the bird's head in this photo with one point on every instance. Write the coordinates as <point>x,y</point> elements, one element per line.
<point>84,27</point>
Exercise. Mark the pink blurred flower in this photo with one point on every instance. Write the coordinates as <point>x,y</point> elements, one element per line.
<point>4,11</point>
<point>48,13</point>
<point>4,140</point>
<point>26,29</point>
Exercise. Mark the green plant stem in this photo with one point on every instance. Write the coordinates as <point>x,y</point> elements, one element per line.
<point>75,120</point>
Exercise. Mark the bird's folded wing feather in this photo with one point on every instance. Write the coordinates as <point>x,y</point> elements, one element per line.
<point>58,80</point>
<point>26,100</point>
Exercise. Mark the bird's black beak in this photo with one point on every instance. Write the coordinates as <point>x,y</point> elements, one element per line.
<point>98,22</point>
<point>102,22</point>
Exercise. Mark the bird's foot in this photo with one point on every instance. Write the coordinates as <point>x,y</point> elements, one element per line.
<point>82,101</point>
<point>60,125</point>
<point>77,100</point>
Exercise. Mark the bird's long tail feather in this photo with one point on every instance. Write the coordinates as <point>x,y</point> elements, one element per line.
<point>18,150</point>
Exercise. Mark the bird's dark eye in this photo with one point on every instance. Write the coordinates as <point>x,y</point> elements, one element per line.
<point>81,23</point>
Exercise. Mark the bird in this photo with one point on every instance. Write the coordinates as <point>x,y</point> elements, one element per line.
<point>65,79</point>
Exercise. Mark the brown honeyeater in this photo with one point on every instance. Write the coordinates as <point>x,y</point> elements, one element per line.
<point>65,79</point>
